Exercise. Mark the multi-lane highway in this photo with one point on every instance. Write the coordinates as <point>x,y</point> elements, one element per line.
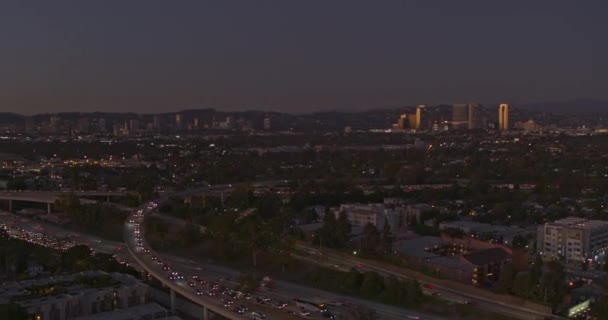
<point>212,296</point>
<point>484,302</point>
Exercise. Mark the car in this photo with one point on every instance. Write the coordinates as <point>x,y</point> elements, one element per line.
<point>239,310</point>
<point>257,315</point>
<point>199,292</point>
<point>191,284</point>
<point>429,286</point>
<point>328,315</point>
<point>304,313</point>
<point>280,305</point>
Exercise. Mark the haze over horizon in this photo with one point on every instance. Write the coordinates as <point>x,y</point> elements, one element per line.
<point>152,56</point>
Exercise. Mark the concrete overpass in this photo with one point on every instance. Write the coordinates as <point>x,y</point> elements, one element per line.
<point>179,286</point>
<point>49,197</point>
<point>154,270</point>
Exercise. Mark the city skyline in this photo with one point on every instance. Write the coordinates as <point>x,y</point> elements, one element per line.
<point>151,57</point>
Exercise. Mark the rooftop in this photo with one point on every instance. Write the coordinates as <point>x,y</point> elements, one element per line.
<point>483,257</point>
<point>580,223</point>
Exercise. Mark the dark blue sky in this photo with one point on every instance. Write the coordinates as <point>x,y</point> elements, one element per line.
<point>288,55</point>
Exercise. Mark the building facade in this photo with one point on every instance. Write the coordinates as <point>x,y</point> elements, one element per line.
<point>574,239</point>
<point>503,117</point>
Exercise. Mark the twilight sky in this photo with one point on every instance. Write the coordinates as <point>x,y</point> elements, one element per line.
<point>297,56</point>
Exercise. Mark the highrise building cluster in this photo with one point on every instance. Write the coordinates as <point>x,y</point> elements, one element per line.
<point>129,124</point>
<point>455,117</point>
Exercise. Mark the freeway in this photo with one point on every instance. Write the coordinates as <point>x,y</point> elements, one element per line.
<point>328,257</point>
<point>206,295</point>
<point>282,291</point>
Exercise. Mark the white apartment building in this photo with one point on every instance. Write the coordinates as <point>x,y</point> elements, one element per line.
<point>376,214</point>
<point>574,239</point>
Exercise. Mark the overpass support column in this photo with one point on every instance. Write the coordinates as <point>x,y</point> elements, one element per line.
<point>10,205</point>
<point>48,208</point>
<point>172,301</point>
<point>205,313</point>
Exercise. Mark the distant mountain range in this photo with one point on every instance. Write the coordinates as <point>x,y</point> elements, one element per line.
<point>578,106</point>
<point>335,120</point>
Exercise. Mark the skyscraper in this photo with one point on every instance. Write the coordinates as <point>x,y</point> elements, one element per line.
<point>402,122</point>
<point>419,116</point>
<point>474,116</point>
<point>459,113</point>
<point>503,117</point>
<point>266,123</point>
<point>460,116</point>
<point>178,121</point>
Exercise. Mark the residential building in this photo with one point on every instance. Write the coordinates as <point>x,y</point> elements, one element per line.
<point>76,295</point>
<point>575,239</point>
<point>376,214</point>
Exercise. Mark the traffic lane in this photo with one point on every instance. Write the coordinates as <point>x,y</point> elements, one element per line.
<point>287,291</point>
<point>489,305</point>
<point>107,246</point>
<point>162,275</point>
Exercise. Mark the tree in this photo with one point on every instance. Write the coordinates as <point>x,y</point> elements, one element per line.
<point>414,294</point>
<point>536,271</point>
<point>370,241</point>
<point>521,285</point>
<point>507,276</point>
<point>256,236</point>
<point>364,313</point>
<point>343,230</point>
<point>393,292</point>
<point>520,241</point>
<point>372,284</point>
<point>248,281</point>
<point>327,233</point>
<point>553,283</point>
<point>12,311</point>
<point>76,258</point>
<point>269,205</point>
<point>353,280</point>
<point>387,238</point>
<point>241,197</point>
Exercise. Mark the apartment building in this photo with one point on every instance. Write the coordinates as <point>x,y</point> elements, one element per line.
<point>574,239</point>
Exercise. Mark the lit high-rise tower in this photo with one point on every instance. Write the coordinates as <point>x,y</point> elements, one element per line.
<point>503,117</point>
<point>419,116</point>
<point>474,116</point>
